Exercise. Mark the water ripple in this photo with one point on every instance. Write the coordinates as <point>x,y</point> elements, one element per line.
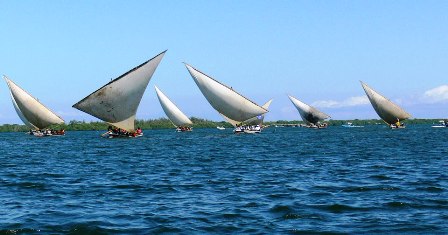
<point>286,180</point>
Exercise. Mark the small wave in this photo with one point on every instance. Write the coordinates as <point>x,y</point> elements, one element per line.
<point>397,204</point>
<point>30,185</point>
<point>220,229</point>
<point>370,188</point>
<point>128,186</point>
<point>292,216</point>
<point>432,189</point>
<point>380,177</point>
<point>18,231</point>
<point>340,208</point>
<point>279,195</point>
<point>298,231</point>
<point>251,204</point>
<point>321,194</point>
<point>53,175</point>
<point>230,215</point>
<point>87,229</point>
<point>280,208</point>
<point>164,230</point>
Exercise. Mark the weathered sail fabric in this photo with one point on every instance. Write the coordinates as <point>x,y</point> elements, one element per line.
<point>309,114</point>
<point>177,117</point>
<point>23,118</point>
<point>387,110</point>
<point>224,99</point>
<point>258,120</point>
<point>117,101</point>
<point>34,114</point>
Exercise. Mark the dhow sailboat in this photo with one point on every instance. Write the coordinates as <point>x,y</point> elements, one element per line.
<point>32,112</point>
<point>310,115</point>
<point>116,102</point>
<point>255,124</point>
<point>391,113</point>
<point>177,117</point>
<point>234,107</point>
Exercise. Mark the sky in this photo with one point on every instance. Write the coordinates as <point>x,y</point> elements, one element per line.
<point>316,51</point>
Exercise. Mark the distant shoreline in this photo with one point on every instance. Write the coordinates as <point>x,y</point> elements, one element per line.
<point>163,123</point>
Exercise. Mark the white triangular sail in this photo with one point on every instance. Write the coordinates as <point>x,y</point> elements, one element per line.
<point>33,113</point>
<point>224,99</point>
<point>117,101</point>
<point>231,121</point>
<point>21,116</point>
<point>386,109</point>
<point>258,120</point>
<point>177,117</point>
<point>308,113</point>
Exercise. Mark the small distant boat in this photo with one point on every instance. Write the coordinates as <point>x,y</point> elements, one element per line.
<point>310,115</point>
<point>391,113</point>
<point>177,117</point>
<point>442,124</point>
<point>117,102</point>
<point>234,107</point>
<point>220,128</point>
<point>32,112</point>
<point>350,125</point>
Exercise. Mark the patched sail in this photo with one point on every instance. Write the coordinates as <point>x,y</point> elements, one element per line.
<point>177,117</point>
<point>33,113</point>
<point>224,99</point>
<point>386,109</point>
<point>308,113</point>
<point>117,101</point>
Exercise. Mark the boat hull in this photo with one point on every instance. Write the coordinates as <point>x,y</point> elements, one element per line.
<point>351,126</point>
<point>109,135</point>
<point>46,133</point>
<point>184,129</point>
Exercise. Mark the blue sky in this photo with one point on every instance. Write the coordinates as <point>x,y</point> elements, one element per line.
<point>316,51</point>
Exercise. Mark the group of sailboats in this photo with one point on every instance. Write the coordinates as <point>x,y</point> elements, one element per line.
<point>117,102</point>
<point>389,112</point>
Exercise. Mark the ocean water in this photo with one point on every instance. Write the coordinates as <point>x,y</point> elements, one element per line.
<point>285,180</point>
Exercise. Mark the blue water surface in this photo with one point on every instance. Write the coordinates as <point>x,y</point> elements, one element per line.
<point>284,180</point>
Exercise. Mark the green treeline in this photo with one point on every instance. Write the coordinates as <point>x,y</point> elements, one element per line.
<point>163,123</point>
<point>160,123</point>
<point>359,122</point>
